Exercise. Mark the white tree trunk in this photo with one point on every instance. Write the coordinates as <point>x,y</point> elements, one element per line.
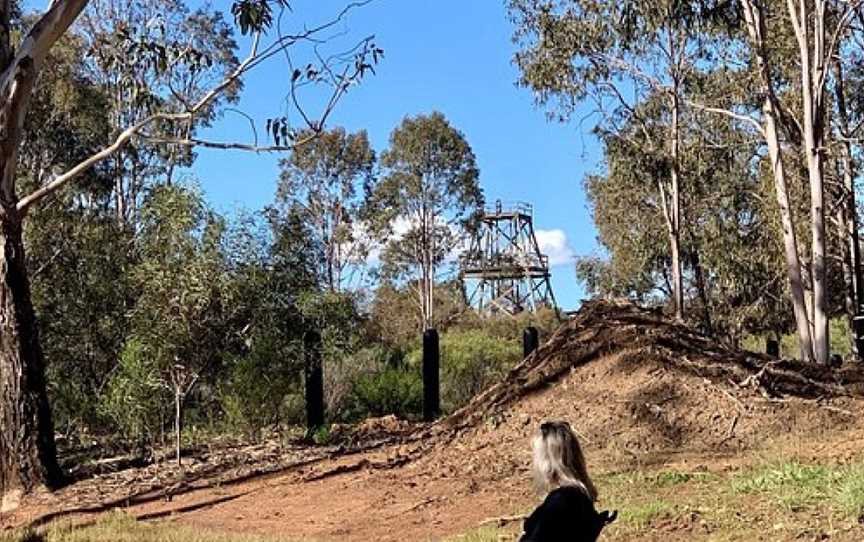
<point>848,214</point>
<point>790,242</point>
<point>756,30</point>
<point>675,218</point>
<point>178,400</point>
<point>812,73</point>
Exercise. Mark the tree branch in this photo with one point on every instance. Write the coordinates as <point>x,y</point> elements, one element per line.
<point>195,142</point>
<point>720,111</point>
<point>255,57</point>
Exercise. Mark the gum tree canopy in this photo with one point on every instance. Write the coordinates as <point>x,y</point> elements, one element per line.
<point>28,458</point>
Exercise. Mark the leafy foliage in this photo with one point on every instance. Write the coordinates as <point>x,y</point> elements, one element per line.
<point>136,399</point>
<point>391,391</point>
<point>324,182</point>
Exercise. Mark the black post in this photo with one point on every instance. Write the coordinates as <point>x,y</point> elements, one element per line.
<point>772,348</point>
<point>858,328</point>
<point>431,384</point>
<point>314,374</point>
<point>530,341</point>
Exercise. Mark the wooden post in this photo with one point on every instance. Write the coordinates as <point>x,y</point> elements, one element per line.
<point>314,374</point>
<point>772,348</point>
<point>858,329</point>
<point>530,341</point>
<point>431,379</point>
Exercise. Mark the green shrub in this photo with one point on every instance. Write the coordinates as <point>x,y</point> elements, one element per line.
<point>135,398</point>
<point>471,361</point>
<point>321,436</point>
<point>791,484</point>
<point>840,336</point>
<point>850,494</point>
<point>389,391</point>
<point>261,389</point>
<point>342,372</point>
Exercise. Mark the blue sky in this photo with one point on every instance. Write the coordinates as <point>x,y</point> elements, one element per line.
<point>453,56</point>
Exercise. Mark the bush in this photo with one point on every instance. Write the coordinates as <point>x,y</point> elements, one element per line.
<point>392,390</point>
<point>135,398</point>
<point>342,372</point>
<point>839,334</point>
<point>261,389</point>
<point>471,361</point>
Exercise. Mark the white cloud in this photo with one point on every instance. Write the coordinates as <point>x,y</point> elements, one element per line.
<point>399,228</point>
<point>401,225</point>
<point>554,244</point>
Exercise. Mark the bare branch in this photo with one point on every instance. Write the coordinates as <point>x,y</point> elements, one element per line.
<point>195,142</point>
<point>842,25</point>
<point>60,180</point>
<point>251,122</point>
<point>721,111</point>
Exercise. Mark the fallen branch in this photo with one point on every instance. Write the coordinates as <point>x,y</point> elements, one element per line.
<point>755,380</point>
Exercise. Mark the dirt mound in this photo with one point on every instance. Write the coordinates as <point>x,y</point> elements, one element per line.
<point>627,346</point>
<point>638,387</point>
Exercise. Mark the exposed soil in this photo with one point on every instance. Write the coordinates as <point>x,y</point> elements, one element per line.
<point>642,393</point>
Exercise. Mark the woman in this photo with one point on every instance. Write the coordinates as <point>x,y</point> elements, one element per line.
<point>567,514</point>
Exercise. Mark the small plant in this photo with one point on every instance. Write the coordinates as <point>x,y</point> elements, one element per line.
<point>643,514</point>
<point>674,478</point>
<point>321,435</point>
<point>850,494</point>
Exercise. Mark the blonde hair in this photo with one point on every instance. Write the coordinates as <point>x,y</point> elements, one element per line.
<point>558,460</point>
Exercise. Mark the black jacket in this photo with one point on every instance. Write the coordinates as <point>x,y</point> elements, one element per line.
<point>567,515</point>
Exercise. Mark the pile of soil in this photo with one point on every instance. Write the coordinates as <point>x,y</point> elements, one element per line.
<point>638,389</point>
<point>629,377</point>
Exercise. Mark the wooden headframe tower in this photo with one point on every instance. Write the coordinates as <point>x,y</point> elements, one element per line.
<point>503,270</point>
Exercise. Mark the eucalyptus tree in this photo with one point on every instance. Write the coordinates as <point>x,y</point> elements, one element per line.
<point>178,321</point>
<point>731,288</point>
<point>847,214</point>
<point>76,256</point>
<point>845,138</point>
<point>147,55</point>
<point>790,47</point>
<point>424,203</point>
<point>612,54</point>
<point>27,448</point>
<point>326,181</point>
